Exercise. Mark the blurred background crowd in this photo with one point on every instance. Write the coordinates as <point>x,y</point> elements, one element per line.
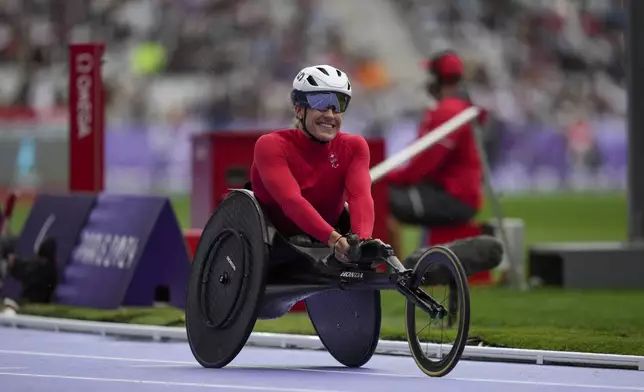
<point>174,67</point>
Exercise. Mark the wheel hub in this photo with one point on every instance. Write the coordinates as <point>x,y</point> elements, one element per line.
<point>223,278</point>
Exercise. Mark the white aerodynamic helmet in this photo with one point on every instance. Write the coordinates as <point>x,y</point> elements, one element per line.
<point>321,79</point>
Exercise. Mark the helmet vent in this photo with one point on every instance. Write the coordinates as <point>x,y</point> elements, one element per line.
<point>312,81</point>
<point>339,73</point>
<point>324,71</point>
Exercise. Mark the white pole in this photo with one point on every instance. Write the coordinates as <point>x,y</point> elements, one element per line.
<point>516,269</point>
<point>440,132</point>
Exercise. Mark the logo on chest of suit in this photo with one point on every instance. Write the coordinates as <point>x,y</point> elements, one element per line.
<point>334,160</point>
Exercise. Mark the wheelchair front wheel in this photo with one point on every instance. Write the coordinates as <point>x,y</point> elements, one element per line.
<point>439,268</point>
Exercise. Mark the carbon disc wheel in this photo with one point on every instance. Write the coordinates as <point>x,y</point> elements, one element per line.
<point>227,281</point>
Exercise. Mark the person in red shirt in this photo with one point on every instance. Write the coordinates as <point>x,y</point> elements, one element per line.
<point>443,184</point>
<point>304,176</point>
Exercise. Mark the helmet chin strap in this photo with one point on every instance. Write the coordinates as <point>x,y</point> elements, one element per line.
<point>306,131</point>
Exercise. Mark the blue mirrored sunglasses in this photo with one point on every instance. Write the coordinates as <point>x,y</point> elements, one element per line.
<point>323,101</point>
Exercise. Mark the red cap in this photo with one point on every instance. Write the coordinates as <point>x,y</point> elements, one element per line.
<point>445,65</point>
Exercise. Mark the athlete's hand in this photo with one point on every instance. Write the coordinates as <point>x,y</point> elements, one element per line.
<point>341,250</point>
<point>339,246</point>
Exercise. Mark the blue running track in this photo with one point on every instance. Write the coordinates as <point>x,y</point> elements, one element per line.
<point>61,362</point>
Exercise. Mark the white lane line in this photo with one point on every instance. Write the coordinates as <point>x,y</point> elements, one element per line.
<point>166,383</point>
<point>278,389</point>
<point>488,380</point>
<point>166,366</point>
<point>551,384</point>
<point>80,356</point>
<point>360,373</point>
<point>348,373</point>
<point>167,363</point>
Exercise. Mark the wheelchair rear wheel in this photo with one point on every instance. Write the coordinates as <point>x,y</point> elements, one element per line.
<point>227,282</point>
<point>437,345</point>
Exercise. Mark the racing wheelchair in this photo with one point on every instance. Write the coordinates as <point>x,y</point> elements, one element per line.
<point>244,270</point>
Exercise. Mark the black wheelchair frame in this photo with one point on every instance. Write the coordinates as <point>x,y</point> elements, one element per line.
<point>360,274</point>
<point>261,275</point>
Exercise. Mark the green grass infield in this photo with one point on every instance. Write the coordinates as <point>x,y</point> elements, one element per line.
<point>546,319</point>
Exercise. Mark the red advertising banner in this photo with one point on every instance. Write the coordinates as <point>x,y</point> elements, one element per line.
<point>86,118</point>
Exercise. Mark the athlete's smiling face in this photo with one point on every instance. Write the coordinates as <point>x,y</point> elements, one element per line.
<point>323,125</point>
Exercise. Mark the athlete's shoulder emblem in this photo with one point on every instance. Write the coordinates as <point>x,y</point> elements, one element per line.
<point>334,160</point>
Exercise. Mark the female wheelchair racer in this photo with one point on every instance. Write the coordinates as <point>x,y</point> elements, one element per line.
<point>252,264</point>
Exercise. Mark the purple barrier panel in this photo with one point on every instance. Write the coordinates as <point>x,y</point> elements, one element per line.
<point>130,247</point>
<point>57,216</point>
